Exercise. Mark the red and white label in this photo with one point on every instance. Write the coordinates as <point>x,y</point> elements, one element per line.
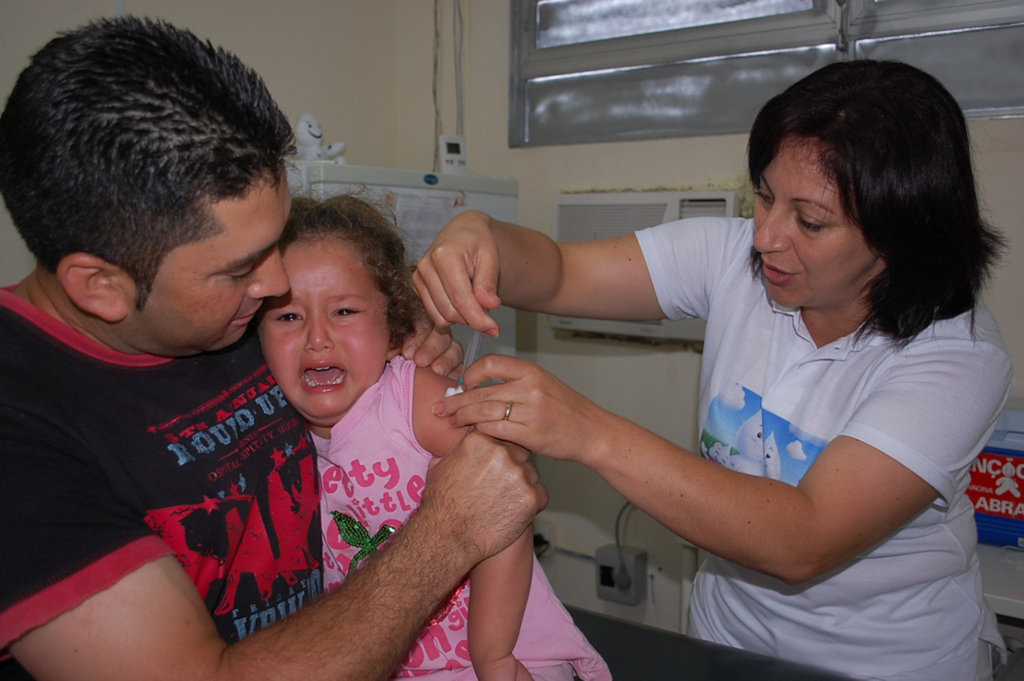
<point>997,485</point>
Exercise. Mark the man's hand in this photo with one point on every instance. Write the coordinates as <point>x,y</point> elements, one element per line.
<point>435,348</point>
<point>481,495</point>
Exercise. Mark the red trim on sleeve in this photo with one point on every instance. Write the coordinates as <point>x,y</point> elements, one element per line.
<point>45,605</point>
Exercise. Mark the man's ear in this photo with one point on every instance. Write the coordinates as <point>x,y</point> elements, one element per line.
<point>97,287</point>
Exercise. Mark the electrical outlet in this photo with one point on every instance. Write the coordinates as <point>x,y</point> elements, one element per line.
<point>621,574</point>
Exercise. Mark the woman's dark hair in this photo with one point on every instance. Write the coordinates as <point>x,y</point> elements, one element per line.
<point>895,144</point>
<point>373,233</point>
<point>118,137</point>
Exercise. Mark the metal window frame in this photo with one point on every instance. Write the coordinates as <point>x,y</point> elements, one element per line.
<point>779,49</point>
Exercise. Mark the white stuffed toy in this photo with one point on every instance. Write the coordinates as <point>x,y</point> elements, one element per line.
<point>309,138</point>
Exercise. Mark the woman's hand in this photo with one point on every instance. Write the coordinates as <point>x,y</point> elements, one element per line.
<point>457,277</point>
<point>545,416</point>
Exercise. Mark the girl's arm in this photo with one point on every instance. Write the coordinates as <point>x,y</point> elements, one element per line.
<point>501,586</point>
<point>501,583</point>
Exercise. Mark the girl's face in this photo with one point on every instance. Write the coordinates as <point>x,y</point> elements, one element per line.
<point>814,256</point>
<point>327,340</point>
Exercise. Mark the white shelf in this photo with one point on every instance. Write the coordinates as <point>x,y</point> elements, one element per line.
<point>328,171</point>
<point>1002,577</point>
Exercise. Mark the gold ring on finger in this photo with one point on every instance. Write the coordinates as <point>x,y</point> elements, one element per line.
<point>508,411</point>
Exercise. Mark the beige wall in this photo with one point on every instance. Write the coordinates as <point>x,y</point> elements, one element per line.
<point>363,67</point>
<point>337,60</point>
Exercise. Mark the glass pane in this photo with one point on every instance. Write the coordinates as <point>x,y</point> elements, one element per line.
<point>567,22</point>
<point>990,83</point>
<point>690,98</point>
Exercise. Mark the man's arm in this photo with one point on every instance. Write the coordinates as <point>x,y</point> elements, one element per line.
<point>153,625</point>
<point>435,348</point>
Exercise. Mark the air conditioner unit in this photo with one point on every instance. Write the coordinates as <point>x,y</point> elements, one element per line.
<point>582,217</point>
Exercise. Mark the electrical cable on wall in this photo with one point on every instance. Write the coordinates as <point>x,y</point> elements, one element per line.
<point>457,51</point>
<point>457,41</point>
<point>622,578</point>
<point>437,76</point>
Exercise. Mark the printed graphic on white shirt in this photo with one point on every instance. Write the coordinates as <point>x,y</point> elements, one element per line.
<point>740,435</point>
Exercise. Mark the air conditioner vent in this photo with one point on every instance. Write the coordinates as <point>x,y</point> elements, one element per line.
<point>706,208</point>
<point>584,217</point>
<point>585,222</point>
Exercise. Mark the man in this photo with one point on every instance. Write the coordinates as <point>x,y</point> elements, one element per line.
<point>158,500</point>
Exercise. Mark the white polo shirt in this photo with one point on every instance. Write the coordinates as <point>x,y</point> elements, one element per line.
<point>770,401</point>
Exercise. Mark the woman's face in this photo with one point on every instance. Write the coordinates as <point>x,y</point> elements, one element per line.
<point>814,256</point>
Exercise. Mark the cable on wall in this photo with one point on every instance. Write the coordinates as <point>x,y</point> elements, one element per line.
<point>437,76</point>
<point>457,40</point>
<point>622,578</point>
<point>457,49</point>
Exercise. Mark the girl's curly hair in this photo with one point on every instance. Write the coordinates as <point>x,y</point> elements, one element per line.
<point>373,232</point>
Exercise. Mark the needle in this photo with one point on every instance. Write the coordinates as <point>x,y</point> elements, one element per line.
<point>474,347</point>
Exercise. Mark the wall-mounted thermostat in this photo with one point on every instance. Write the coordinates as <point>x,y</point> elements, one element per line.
<point>453,154</point>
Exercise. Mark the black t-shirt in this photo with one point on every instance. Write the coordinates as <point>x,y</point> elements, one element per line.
<point>109,461</point>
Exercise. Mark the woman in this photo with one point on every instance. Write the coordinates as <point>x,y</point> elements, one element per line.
<point>850,376</point>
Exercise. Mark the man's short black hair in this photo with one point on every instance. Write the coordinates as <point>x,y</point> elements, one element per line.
<point>119,135</point>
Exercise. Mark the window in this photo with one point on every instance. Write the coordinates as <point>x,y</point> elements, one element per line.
<point>562,22</point>
<point>604,70</point>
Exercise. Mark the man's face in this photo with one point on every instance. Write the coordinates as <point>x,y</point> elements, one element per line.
<point>206,292</point>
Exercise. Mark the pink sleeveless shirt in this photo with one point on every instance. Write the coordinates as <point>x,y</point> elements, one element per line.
<point>372,471</point>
